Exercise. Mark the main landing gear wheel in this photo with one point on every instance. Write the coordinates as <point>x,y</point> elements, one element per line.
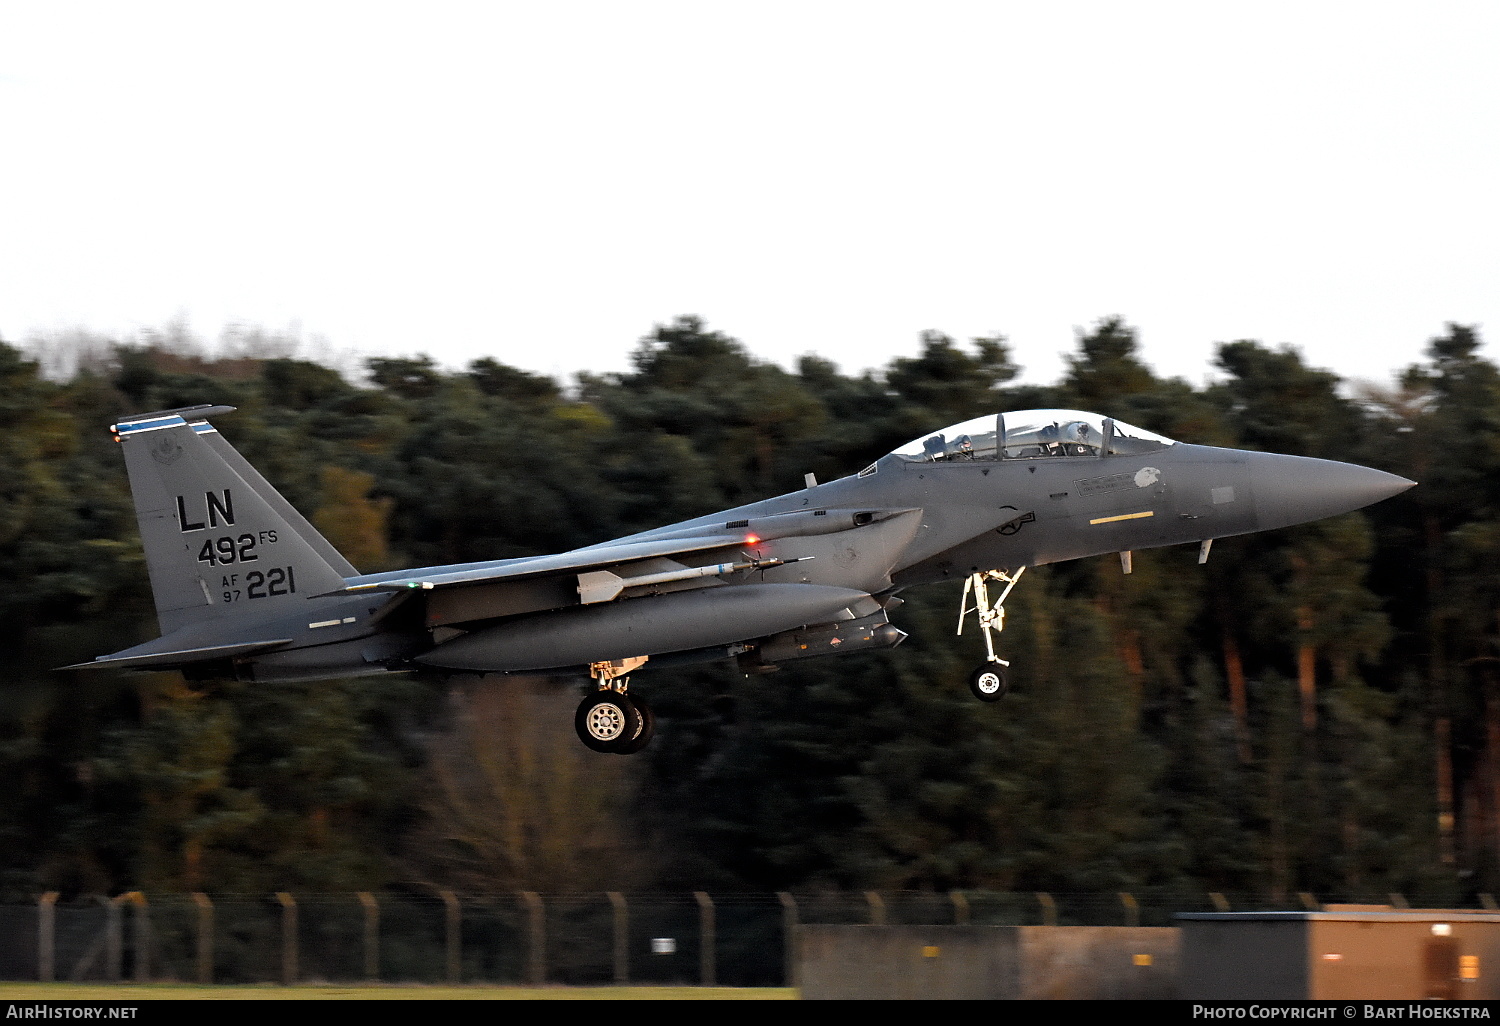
<point>988,682</point>
<point>607,720</point>
<point>643,735</point>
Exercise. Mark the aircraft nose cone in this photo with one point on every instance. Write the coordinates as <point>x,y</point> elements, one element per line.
<point>1296,489</point>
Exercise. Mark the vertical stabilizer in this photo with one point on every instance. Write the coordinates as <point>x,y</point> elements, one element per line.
<point>220,541</point>
<point>298,522</point>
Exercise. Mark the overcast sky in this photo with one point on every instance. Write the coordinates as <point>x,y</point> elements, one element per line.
<point>541,182</point>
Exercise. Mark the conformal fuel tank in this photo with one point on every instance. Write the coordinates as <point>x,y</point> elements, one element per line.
<point>676,622</point>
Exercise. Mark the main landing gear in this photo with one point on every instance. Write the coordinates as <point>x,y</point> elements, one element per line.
<point>609,719</point>
<point>988,681</point>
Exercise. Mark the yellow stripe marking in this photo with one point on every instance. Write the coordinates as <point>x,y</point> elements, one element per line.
<point>1124,516</point>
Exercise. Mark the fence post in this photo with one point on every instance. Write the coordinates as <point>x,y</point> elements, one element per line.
<point>114,941</point>
<point>1132,909</point>
<point>205,937</point>
<point>622,937</point>
<point>707,940</point>
<point>789,937</point>
<point>142,936</point>
<point>453,930</point>
<point>960,907</point>
<point>1049,908</point>
<point>372,935</point>
<point>288,938</point>
<point>877,908</point>
<point>536,962</point>
<point>46,937</point>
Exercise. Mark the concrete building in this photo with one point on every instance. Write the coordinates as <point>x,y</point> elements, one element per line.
<point>1345,952</point>
<point>976,962</point>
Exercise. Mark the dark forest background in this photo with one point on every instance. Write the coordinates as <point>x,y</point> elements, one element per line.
<point>1316,709</point>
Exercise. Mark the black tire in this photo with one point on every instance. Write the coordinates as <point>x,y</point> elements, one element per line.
<point>605,720</point>
<point>988,682</point>
<point>642,736</point>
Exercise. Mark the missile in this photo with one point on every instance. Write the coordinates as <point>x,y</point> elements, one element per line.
<point>602,585</point>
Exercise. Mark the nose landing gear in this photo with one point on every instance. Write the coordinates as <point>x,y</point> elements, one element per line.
<point>988,681</point>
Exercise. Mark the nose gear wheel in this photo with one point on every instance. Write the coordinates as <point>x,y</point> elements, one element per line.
<point>989,683</point>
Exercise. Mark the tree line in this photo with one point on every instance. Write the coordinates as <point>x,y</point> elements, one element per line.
<point>1315,709</point>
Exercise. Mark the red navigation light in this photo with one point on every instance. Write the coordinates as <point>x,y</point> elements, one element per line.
<point>752,539</point>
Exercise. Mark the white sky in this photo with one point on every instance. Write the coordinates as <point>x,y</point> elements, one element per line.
<point>541,182</point>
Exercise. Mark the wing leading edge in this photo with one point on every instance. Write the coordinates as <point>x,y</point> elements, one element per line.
<point>542,566</point>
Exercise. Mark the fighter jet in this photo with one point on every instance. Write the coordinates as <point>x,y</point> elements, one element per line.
<point>246,589</point>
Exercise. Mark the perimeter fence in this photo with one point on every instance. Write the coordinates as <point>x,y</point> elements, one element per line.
<point>745,940</point>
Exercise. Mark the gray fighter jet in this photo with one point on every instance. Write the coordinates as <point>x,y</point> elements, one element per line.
<point>246,588</point>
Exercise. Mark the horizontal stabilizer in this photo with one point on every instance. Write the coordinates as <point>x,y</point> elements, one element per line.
<point>139,658</point>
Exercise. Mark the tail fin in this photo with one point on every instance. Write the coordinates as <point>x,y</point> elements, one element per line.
<point>219,540</point>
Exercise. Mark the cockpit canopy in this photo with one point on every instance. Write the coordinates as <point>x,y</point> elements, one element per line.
<point>1031,434</point>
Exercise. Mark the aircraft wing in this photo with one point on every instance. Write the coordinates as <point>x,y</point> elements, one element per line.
<point>735,534</point>
<point>562,562</point>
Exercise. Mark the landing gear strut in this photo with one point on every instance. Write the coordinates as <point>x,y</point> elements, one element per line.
<point>988,681</point>
<point>609,719</point>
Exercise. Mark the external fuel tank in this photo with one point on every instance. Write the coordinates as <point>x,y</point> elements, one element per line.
<point>676,622</point>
